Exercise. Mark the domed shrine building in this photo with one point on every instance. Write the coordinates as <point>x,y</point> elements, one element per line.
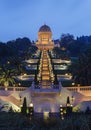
<point>45,38</point>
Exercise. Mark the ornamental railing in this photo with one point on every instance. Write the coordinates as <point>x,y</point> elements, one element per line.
<point>13,88</point>
<point>85,90</point>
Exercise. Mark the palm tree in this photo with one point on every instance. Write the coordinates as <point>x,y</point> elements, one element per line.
<point>18,65</point>
<point>7,78</point>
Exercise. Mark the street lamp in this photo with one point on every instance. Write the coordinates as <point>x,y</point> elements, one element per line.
<point>61,112</point>
<point>31,109</point>
<point>31,105</point>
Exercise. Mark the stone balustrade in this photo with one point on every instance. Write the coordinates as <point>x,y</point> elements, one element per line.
<point>85,90</point>
<point>13,88</point>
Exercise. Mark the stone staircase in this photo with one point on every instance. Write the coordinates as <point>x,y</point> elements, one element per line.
<point>11,99</point>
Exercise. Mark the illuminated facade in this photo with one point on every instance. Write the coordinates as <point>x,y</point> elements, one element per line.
<point>45,38</point>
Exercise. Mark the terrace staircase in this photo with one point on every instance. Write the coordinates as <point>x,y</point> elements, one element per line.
<point>11,99</point>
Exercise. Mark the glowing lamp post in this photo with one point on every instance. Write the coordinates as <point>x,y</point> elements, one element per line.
<point>61,112</point>
<point>73,84</point>
<point>68,106</point>
<point>31,109</point>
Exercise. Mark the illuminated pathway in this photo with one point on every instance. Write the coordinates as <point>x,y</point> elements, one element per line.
<point>45,95</point>
<point>46,74</point>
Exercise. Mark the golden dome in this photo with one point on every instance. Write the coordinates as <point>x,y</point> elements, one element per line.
<point>44,28</point>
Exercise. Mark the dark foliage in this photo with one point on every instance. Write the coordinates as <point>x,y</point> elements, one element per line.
<point>17,47</point>
<point>24,107</point>
<point>74,46</point>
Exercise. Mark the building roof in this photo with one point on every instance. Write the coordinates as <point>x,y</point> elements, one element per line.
<point>44,28</point>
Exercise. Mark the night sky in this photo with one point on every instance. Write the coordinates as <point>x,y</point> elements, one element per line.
<point>23,18</point>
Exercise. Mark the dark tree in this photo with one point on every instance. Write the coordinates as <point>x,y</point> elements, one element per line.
<point>66,39</point>
<point>68,101</point>
<point>81,70</point>
<point>24,107</point>
<point>68,106</point>
<point>88,111</point>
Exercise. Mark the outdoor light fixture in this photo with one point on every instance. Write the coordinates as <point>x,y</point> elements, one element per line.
<point>31,105</point>
<point>73,83</point>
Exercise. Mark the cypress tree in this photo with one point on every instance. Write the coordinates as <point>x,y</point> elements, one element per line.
<point>24,107</point>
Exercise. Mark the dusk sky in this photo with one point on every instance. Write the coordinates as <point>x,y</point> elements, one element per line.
<point>23,18</point>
